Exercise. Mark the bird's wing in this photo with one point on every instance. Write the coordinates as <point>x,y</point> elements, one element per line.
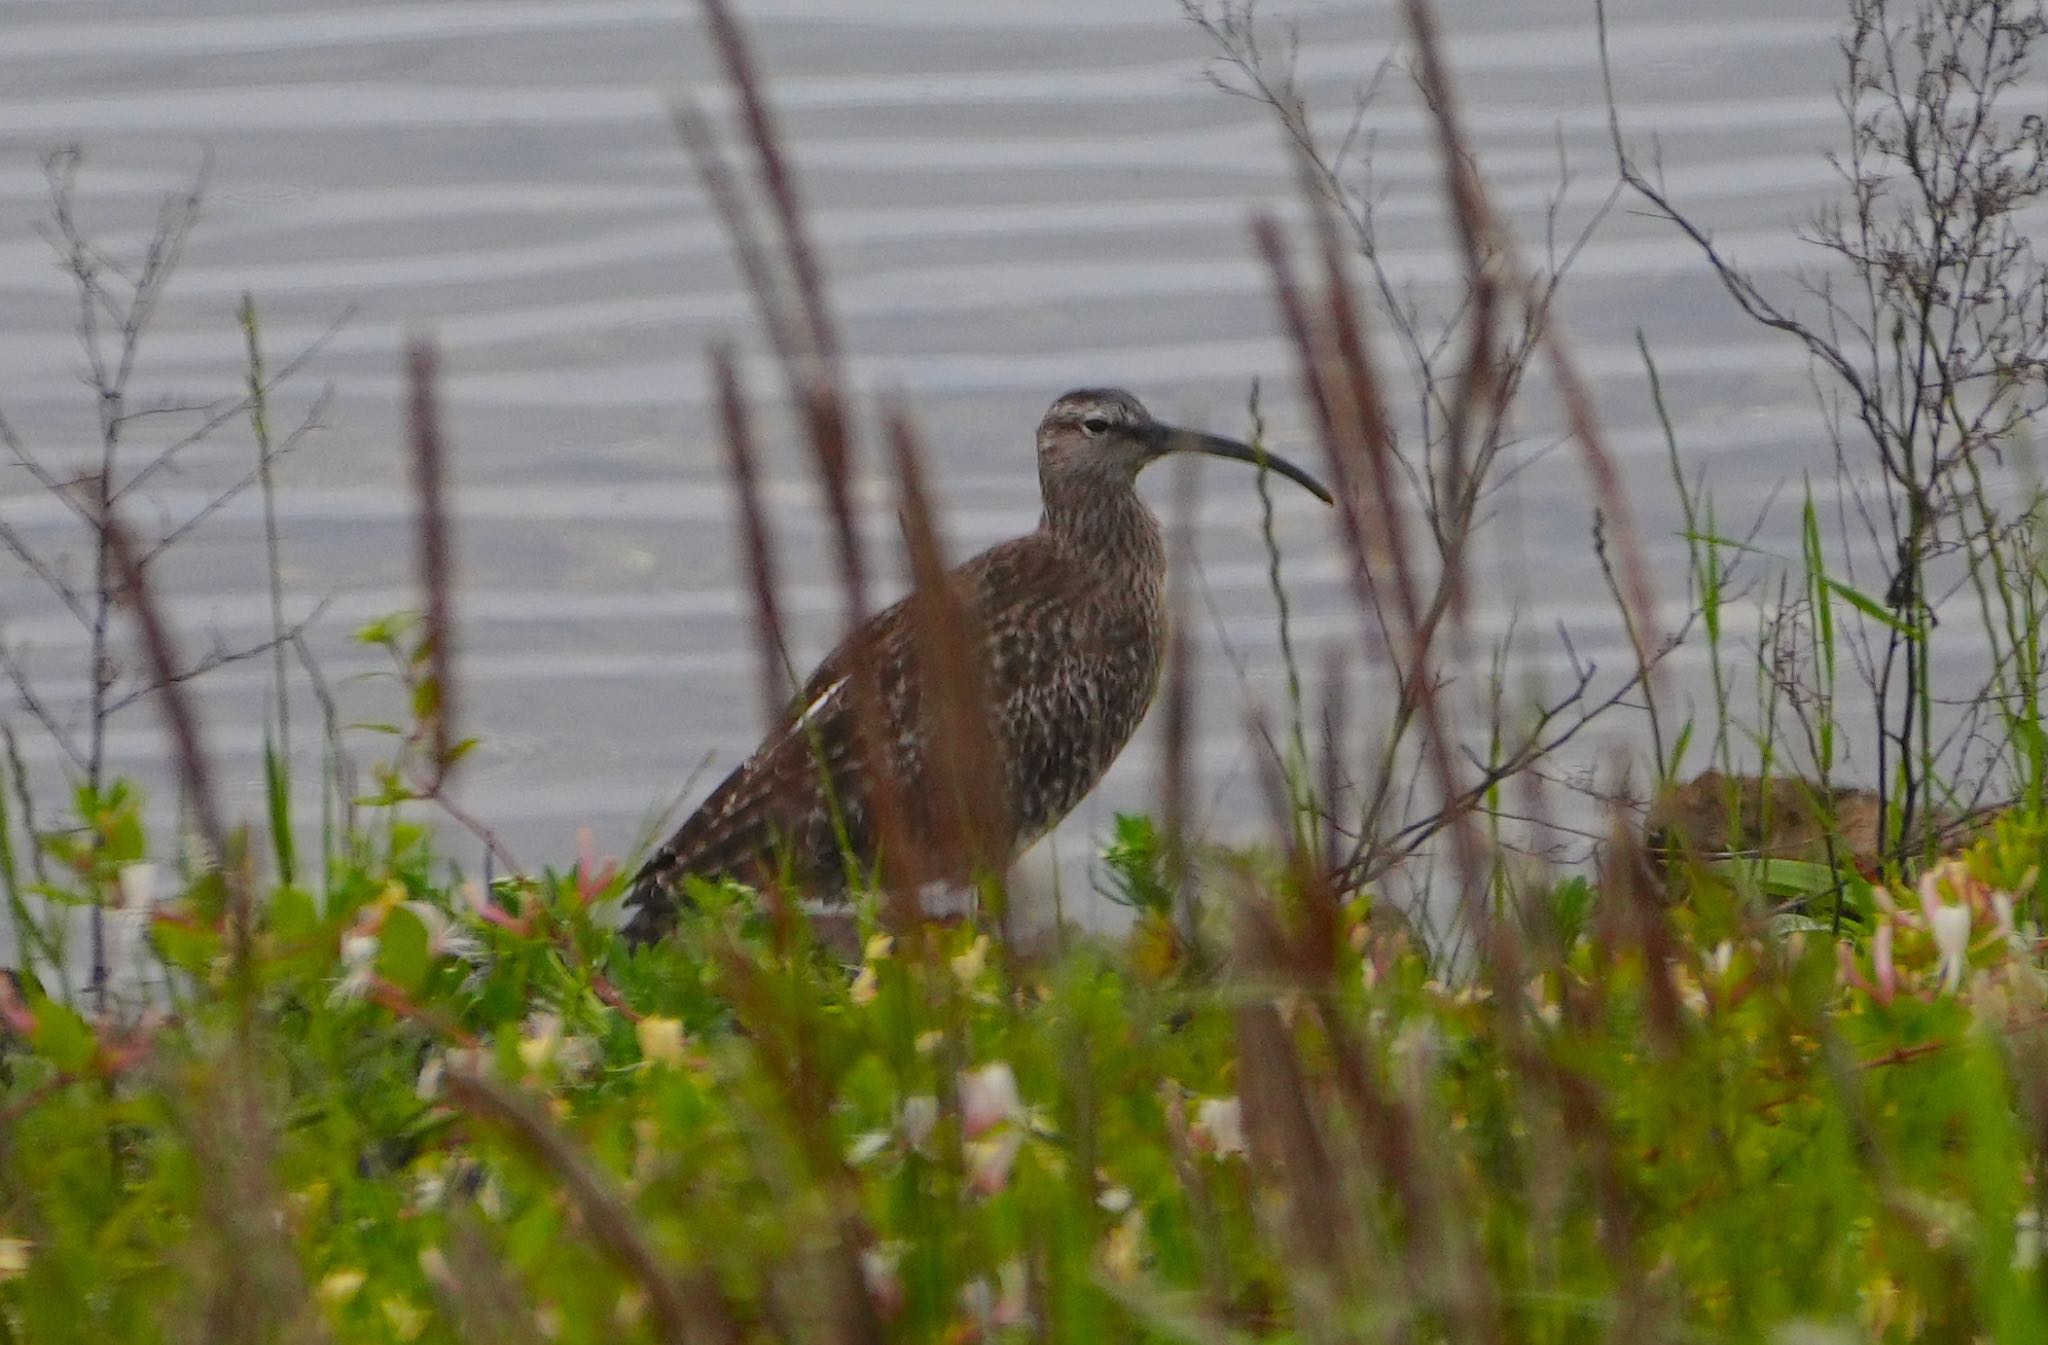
<point>737,824</point>
<point>807,779</point>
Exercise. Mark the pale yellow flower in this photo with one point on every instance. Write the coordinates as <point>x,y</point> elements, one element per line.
<point>407,1318</point>
<point>540,1041</point>
<point>339,1286</point>
<point>661,1040</point>
<point>865,986</point>
<point>968,966</point>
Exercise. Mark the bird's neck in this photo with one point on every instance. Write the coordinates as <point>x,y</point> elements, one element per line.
<point>1105,524</point>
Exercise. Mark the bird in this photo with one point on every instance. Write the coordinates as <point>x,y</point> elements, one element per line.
<point>1066,627</point>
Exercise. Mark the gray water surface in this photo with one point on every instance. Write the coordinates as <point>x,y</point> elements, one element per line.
<point>1013,197</point>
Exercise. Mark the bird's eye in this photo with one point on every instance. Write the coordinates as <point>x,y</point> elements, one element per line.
<point>1096,425</point>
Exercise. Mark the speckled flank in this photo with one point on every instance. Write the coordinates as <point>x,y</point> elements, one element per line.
<point>1069,623</point>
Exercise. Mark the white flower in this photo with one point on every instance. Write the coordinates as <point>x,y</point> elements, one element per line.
<point>138,886</point>
<point>988,1098</point>
<point>867,1146</point>
<point>359,968</point>
<point>127,931</point>
<point>1720,959</point>
<point>578,1056</point>
<point>1220,1121</point>
<point>444,937</point>
<point>2001,911</point>
<point>2026,1241</point>
<point>430,1187</point>
<point>428,1085</point>
<point>917,1118</point>
<point>1951,929</point>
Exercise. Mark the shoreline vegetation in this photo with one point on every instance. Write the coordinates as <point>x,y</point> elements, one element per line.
<point>1774,1068</point>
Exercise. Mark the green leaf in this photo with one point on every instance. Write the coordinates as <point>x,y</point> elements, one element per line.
<point>426,700</point>
<point>62,1037</point>
<point>402,956</point>
<point>293,914</point>
<point>1136,859</point>
<point>188,946</point>
<point>385,631</point>
<point>1732,543</point>
<point>1870,607</point>
<point>277,792</point>
<point>1793,877</point>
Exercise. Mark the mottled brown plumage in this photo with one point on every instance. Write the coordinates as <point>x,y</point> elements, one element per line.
<point>1068,628</point>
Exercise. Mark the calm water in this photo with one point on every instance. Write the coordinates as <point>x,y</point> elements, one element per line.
<point>1014,197</point>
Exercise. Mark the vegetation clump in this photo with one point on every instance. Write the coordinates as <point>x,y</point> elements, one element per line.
<point>1777,1071</point>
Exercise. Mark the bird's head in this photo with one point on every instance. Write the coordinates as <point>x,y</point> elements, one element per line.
<point>1106,436</point>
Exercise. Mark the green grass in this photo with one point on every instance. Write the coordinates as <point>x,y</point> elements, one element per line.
<point>368,1099</point>
<point>397,1110</point>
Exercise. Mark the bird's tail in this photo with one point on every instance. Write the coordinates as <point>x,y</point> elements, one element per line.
<point>654,901</point>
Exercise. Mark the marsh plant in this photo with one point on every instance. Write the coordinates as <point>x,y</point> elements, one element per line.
<point>1925,320</point>
<point>387,1103</point>
<point>140,439</point>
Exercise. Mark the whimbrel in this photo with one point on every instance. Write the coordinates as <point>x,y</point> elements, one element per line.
<point>1068,626</point>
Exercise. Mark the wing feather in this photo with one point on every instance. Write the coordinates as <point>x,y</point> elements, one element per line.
<point>805,789</point>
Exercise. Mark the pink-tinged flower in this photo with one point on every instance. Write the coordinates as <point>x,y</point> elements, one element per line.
<point>593,877</point>
<point>990,1158</point>
<point>491,913</point>
<point>1845,960</point>
<point>1950,926</point>
<point>1930,892</point>
<point>14,1013</point>
<point>1881,962</point>
<point>994,1307</point>
<point>878,1271</point>
<point>989,1098</point>
<point>1219,1127</point>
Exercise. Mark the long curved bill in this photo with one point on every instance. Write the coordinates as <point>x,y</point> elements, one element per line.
<point>1172,439</point>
